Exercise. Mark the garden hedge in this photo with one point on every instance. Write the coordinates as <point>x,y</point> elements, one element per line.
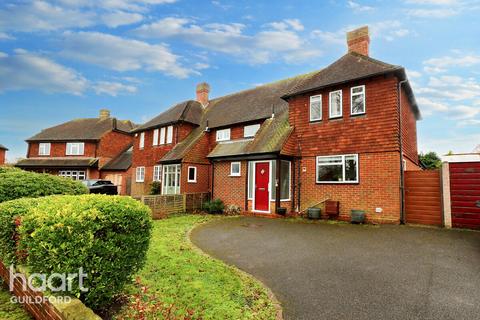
<point>16,183</point>
<point>107,236</point>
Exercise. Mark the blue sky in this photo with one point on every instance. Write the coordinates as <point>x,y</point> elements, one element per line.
<point>66,59</point>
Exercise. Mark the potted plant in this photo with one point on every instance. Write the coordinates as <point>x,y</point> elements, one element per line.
<point>357,216</point>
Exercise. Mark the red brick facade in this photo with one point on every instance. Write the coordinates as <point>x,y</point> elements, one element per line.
<point>59,149</point>
<point>2,156</point>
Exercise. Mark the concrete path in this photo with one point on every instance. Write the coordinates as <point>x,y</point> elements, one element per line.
<point>341,271</point>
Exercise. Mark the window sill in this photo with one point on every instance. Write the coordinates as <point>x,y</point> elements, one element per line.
<point>191,181</point>
<point>358,115</point>
<point>315,121</point>
<point>235,175</point>
<point>333,182</point>
<point>336,118</point>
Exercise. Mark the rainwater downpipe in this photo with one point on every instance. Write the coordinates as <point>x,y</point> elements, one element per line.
<point>400,140</point>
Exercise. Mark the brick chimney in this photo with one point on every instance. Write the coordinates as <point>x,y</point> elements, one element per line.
<point>358,40</point>
<point>104,114</point>
<point>203,89</point>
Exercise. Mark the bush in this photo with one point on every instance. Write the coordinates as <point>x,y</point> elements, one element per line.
<point>232,210</point>
<point>107,236</point>
<point>155,188</point>
<point>214,207</point>
<point>16,183</point>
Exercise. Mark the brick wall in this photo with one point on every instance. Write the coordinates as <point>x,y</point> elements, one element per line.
<point>203,178</point>
<point>2,156</point>
<point>230,189</point>
<point>378,187</point>
<point>409,130</point>
<point>111,145</point>
<point>59,149</point>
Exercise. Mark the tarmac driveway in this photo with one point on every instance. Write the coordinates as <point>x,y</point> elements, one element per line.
<point>342,271</point>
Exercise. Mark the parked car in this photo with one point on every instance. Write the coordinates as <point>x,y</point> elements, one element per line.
<point>101,186</point>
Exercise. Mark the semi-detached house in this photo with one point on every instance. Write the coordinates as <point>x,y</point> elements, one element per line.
<point>346,133</point>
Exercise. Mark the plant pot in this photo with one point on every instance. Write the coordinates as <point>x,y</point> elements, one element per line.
<point>357,216</point>
<point>314,213</point>
<point>282,211</point>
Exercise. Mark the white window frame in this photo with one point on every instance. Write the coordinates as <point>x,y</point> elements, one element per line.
<point>167,174</point>
<point>250,130</point>
<point>289,182</point>
<point>73,174</point>
<point>79,146</point>
<point>141,143</point>
<point>155,137</point>
<point>194,180</point>
<point>169,134</point>
<point>44,148</point>
<point>157,173</point>
<point>140,174</point>
<point>318,96</point>
<point>330,104</point>
<point>358,94</point>
<point>343,156</point>
<point>236,174</point>
<point>162,135</point>
<point>223,135</point>
<point>251,181</point>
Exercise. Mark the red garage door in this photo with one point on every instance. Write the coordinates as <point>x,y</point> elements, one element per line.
<point>465,194</point>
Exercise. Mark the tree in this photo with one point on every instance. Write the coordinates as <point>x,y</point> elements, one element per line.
<point>430,160</point>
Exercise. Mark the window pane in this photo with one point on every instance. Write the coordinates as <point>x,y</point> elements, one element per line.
<point>335,103</point>
<point>162,135</point>
<point>315,108</point>
<point>350,168</point>
<point>285,181</point>
<point>191,174</point>
<point>169,134</point>
<point>330,160</point>
<point>250,180</point>
<point>357,90</point>
<point>250,131</point>
<point>358,105</point>
<point>330,173</point>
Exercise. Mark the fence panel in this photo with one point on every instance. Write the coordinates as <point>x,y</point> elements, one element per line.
<point>163,205</point>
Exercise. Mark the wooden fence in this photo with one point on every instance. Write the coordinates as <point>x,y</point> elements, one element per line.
<point>163,205</point>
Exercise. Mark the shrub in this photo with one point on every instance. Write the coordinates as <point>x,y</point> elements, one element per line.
<point>232,210</point>
<point>16,183</point>
<point>107,236</point>
<point>155,188</point>
<point>214,207</point>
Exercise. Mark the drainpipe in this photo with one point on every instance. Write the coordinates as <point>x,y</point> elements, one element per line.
<point>400,140</point>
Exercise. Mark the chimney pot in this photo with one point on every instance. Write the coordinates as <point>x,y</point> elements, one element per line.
<point>203,89</point>
<point>358,41</point>
<point>104,114</point>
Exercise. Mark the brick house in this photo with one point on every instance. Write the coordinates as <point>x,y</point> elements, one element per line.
<point>3,154</point>
<point>346,132</point>
<point>91,148</point>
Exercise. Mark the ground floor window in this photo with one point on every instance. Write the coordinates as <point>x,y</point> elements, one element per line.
<point>192,174</point>
<point>337,169</point>
<point>171,179</point>
<point>157,173</point>
<point>73,174</point>
<point>284,180</point>
<point>140,174</point>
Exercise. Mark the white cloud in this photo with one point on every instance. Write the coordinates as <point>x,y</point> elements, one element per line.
<point>5,36</point>
<point>413,74</point>
<point>119,18</point>
<point>442,63</point>
<point>428,106</point>
<point>120,54</point>
<point>113,88</point>
<point>463,112</point>
<point>433,2</point>
<point>433,13</point>
<point>358,7</point>
<point>25,71</point>
<point>279,39</point>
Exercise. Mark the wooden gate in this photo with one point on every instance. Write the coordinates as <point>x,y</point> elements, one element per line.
<point>423,197</point>
<point>465,194</point>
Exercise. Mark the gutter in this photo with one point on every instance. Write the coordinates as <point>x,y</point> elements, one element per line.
<point>400,140</point>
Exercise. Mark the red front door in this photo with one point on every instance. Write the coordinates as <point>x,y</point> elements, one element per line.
<point>262,178</point>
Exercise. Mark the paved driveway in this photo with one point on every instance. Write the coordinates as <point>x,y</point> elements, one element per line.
<point>325,271</point>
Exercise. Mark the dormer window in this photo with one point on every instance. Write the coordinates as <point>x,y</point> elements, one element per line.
<point>335,104</point>
<point>250,131</point>
<point>75,148</point>
<point>357,100</point>
<point>223,135</point>
<point>44,149</point>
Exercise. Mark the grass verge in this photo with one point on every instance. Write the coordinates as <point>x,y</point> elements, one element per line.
<point>9,310</point>
<point>179,282</point>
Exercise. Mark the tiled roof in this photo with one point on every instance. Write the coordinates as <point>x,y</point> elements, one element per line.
<point>188,111</point>
<point>82,129</point>
<point>121,163</point>
<point>181,149</point>
<point>66,162</point>
<point>3,147</point>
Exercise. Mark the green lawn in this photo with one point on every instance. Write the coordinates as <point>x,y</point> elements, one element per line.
<point>9,310</point>
<point>179,282</point>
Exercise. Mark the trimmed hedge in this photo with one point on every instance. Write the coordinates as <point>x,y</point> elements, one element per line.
<point>16,183</point>
<point>107,236</point>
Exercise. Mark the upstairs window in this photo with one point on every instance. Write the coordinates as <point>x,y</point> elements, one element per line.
<point>155,137</point>
<point>169,134</point>
<point>250,131</point>
<point>75,148</point>
<point>223,135</point>
<point>357,100</point>
<point>335,104</point>
<point>192,174</point>
<point>162,135</point>
<point>316,108</point>
<point>235,169</point>
<point>337,169</point>
<point>44,149</point>
<point>141,145</point>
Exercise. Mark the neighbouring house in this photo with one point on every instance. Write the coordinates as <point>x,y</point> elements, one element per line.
<point>345,133</point>
<point>3,154</point>
<point>81,149</point>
